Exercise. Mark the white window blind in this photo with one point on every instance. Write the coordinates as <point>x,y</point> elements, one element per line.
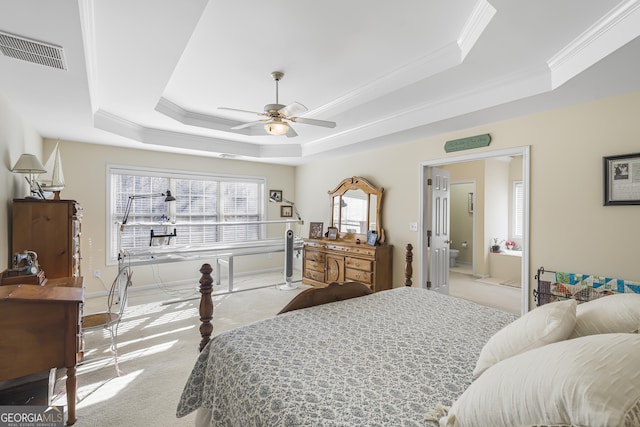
<point>201,202</point>
<point>518,208</point>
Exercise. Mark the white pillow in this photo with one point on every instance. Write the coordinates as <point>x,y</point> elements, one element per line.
<point>543,325</point>
<point>589,381</point>
<point>613,313</point>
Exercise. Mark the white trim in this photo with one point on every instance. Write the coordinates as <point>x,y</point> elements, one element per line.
<point>612,31</point>
<point>514,212</point>
<point>475,26</point>
<point>525,152</point>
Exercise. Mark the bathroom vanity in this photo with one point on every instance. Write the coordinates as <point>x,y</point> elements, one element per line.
<point>506,266</point>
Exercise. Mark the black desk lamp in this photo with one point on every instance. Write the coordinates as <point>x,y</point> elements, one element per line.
<point>167,198</point>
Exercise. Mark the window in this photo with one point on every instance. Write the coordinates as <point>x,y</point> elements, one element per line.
<point>202,202</point>
<point>518,209</point>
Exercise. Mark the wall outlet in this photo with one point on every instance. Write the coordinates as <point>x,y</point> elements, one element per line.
<point>96,273</point>
<point>413,226</point>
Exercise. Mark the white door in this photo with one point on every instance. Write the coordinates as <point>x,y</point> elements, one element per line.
<point>438,232</point>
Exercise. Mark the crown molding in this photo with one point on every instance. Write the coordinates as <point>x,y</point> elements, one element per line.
<point>478,21</point>
<point>612,31</point>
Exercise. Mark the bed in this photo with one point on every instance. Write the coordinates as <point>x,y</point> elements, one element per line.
<point>405,357</point>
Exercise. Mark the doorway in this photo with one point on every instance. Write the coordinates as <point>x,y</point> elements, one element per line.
<point>462,227</point>
<point>481,201</point>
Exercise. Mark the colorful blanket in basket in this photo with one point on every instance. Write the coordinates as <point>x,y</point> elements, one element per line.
<point>583,287</point>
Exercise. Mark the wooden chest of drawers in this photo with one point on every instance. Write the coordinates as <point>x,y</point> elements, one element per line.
<point>51,229</point>
<point>328,261</point>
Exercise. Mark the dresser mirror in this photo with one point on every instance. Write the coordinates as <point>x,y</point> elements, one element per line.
<point>355,209</point>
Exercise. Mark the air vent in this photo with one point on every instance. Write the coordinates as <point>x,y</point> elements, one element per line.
<point>32,51</point>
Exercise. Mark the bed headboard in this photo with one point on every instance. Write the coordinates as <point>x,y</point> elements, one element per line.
<point>555,286</point>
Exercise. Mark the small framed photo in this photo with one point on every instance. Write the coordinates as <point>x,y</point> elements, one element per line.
<point>315,230</point>
<point>286,211</point>
<point>372,237</point>
<point>622,180</point>
<point>275,195</point>
<point>332,233</point>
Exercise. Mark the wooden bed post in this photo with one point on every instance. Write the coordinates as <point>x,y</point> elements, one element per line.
<point>307,298</point>
<point>408,266</point>
<point>206,305</point>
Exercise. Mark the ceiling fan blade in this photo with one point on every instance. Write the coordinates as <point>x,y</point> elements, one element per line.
<point>242,111</point>
<point>314,122</point>
<point>246,125</point>
<point>291,133</point>
<point>292,109</point>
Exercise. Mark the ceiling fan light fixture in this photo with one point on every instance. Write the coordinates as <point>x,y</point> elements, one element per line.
<point>276,127</point>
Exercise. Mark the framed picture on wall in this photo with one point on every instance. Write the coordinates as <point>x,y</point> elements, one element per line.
<point>315,230</point>
<point>275,195</point>
<point>622,180</point>
<point>286,211</point>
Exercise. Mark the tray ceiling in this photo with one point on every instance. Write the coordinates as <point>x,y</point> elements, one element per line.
<point>152,74</point>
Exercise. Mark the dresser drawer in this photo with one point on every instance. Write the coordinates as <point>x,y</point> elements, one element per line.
<point>314,265</point>
<point>314,275</point>
<point>362,250</point>
<point>337,248</point>
<point>359,275</point>
<point>359,264</point>
<point>314,256</point>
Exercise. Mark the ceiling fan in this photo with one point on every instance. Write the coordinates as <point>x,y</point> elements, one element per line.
<point>276,117</point>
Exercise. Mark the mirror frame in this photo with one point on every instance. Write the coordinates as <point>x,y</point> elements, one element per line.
<point>358,183</point>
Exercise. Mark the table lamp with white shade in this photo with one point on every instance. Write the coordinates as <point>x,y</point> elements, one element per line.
<point>30,165</point>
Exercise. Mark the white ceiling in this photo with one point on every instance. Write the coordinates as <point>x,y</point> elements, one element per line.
<point>152,73</point>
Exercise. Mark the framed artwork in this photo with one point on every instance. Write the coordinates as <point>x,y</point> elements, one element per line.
<point>622,180</point>
<point>286,211</point>
<point>315,230</point>
<point>332,233</point>
<point>372,237</point>
<point>275,195</point>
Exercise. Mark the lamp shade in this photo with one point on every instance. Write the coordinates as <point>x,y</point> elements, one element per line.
<point>28,163</point>
<point>277,127</point>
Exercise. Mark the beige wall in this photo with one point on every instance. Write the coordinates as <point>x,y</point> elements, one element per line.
<point>570,228</point>
<point>16,137</point>
<point>85,172</point>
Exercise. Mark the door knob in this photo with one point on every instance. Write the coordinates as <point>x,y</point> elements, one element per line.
<point>448,241</point>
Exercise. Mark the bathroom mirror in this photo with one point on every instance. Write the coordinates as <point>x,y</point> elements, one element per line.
<point>355,209</point>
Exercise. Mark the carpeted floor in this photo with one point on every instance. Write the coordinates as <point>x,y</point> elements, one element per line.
<point>157,347</point>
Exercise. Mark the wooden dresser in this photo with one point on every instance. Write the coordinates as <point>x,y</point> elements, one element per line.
<point>40,330</point>
<point>326,261</point>
<point>51,229</point>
